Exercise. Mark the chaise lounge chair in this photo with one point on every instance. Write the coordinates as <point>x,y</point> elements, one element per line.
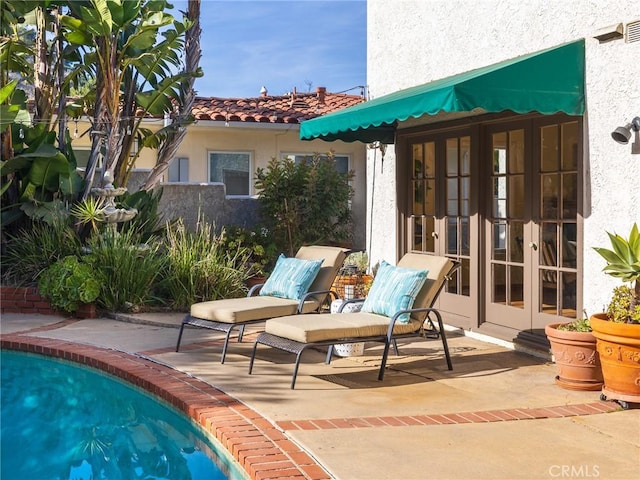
<point>228,314</point>
<point>392,313</point>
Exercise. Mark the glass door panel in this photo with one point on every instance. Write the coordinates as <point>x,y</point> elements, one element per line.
<point>422,224</point>
<point>506,275</point>
<point>458,195</point>
<point>558,210</point>
<point>439,219</point>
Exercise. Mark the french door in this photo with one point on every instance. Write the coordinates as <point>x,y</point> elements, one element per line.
<point>531,226</point>
<point>503,199</point>
<point>440,220</point>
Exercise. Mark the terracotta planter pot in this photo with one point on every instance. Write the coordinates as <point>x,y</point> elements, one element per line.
<point>619,350</point>
<point>576,357</point>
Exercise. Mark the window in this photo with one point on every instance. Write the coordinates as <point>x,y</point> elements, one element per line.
<point>82,157</point>
<point>178,170</point>
<point>342,161</point>
<point>233,169</point>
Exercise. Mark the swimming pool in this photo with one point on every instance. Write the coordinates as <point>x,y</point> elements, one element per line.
<point>60,421</point>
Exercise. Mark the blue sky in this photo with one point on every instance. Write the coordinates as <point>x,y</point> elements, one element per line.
<point>281,44</point>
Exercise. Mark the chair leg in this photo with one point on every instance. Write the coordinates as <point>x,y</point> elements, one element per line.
<point>295,369</point>
<point>226,344</point>
<point>253,356</point>
<point>445,345</point>
<point>329,354</point>
<point>395,347</point>
<point>385,354</point>
<point>240,333</point>
<point>180,334</point>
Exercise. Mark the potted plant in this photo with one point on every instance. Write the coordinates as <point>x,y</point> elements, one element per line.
<point>70,285</point>
<point>617,331</point>
<point>574,352</point>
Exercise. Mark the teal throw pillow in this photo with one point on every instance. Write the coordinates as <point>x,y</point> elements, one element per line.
<point>394,289</point>
<point>291,277</point>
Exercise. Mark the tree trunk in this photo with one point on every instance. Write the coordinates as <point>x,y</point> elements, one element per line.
<point>175,137</point>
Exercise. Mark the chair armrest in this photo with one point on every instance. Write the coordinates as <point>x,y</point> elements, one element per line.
<point>347,302</point>
<point>426,310</point>
<point>255,290</point>
<point>315,294</point>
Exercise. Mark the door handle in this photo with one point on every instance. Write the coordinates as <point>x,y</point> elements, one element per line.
<point>533,245</point>
<point>434,234</point>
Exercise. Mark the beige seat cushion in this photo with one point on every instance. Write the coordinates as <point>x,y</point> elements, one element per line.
<point>438,268</point>
<point>334,326</point>
<point>333,259</point>
<point>247,309</point>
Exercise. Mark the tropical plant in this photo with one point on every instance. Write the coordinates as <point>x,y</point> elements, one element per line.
<point>130,269</point>
<point>201,267</point>
<point>623,262</point>
<point>131,51</point>
<point>148,222</point>
<point>89,213</point>
<point>68,283</point>
<point>136,75</point>
<point>29,251</point>
<point>305,202</point>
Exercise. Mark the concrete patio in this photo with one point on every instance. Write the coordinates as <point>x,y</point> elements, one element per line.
<point>497,415</point>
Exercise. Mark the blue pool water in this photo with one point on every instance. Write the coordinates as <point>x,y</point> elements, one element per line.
<point>64,422</point>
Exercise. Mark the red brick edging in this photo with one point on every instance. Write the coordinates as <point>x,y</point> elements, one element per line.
<point>262,449</point>
<point>451,418</point>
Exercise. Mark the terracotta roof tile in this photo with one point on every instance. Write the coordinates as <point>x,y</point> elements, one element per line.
<point>291,108</point>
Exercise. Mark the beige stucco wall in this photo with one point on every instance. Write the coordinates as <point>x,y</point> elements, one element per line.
<point>269,142</point>
<point>414,42</point>
<point>263,143</point>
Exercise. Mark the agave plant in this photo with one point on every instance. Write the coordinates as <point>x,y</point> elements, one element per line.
<point>623,262</point>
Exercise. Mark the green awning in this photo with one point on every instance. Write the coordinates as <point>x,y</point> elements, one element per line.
<point>547,82</point>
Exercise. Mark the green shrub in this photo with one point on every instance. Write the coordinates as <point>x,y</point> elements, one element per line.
<point>68,283</point>
<point>263,251</point>
<point>305,202</point>
<point>131,269</point>
<point>27,254</point>
<point>200,267</point>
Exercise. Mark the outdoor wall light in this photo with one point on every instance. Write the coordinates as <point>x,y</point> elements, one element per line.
<point>623,134</point>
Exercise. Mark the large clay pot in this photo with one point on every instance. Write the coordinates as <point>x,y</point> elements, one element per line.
<point>619,349</point>
<point>576,357</point>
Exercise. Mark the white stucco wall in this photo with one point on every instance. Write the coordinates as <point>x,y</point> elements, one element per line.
<point>411,42</point>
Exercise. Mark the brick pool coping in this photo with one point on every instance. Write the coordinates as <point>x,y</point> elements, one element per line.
<point>260,446</point>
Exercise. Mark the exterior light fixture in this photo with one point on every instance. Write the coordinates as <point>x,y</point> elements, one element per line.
<point>623,134</point>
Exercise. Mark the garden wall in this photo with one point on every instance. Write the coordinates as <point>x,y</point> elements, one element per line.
<point>186,200</point>
<point>23,300</point>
